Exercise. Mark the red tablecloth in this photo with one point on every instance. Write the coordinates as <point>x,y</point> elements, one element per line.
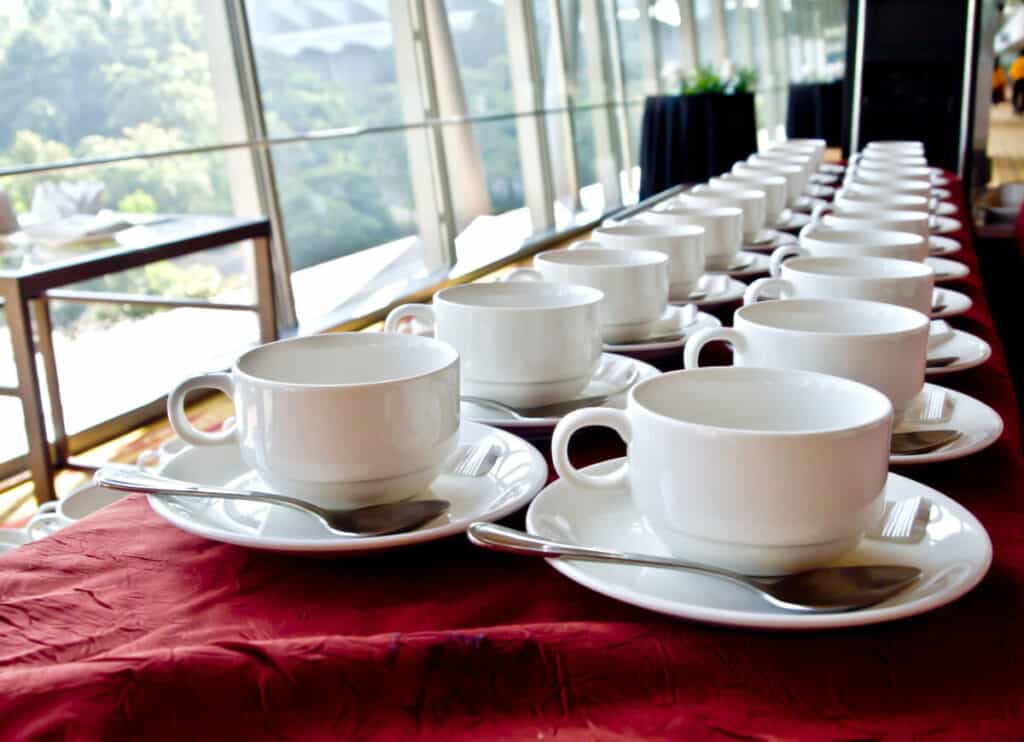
<point>124,627</point>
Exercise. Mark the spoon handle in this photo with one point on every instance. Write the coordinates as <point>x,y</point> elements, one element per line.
<point>499,538</point>
<point>139,481</point>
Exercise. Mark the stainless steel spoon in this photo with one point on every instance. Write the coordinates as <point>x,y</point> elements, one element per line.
<point>914,442</point>
<point>822,590</point>
<point>375,520</point>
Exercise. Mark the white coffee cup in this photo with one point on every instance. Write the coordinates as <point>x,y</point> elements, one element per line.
<point>896,145</point>
<point>874,175</point>
<point>634,283</point>
<point>815,152</point>
<point>523,343</point>
<point>81,502</point>
<point>753,203</point>
<point>888,280</point>
<point>684,244</point>
<point>793,175</point>
<point>341,419</point>
<point>848,199</point>
<point>883,161</point>
<point>894,186</point>
<point>860,216</point>
<point>761,471</point>
<point>773,187</point>
<point>723,229</point>
<point>882,345</point>
<point>805,161</point>
<point>822,242</point>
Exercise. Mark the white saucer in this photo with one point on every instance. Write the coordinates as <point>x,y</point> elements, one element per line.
<point>936,171</point>
<point>721,289</point>
<point>831,167</point>
<point>947,270</point>
<point>956,303</point>
<point>778,239</point>
<point>939,246</point>
<point>807,203</point>
<point>824,178</point>
<point>672,322</point>
<point>792,220</point>
<point>764,238</point>
<point>945,208</point>
<point>980,424</point>
<point>954,558</point>
<point>748,263</point>
<point>971,349</point>
<point>938,180</point>
<point>946,225</point>
<point>517,476</point>
<point>819,191</point>
<point>608,378</point>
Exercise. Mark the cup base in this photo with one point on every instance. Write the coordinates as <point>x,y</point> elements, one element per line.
<point>524,394</point>
<point>628,332</point>
<point>750,559</point>
<point>350,495</point>
<point>719,261</point>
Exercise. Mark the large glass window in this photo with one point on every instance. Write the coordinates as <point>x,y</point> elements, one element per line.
<point>387,140</point>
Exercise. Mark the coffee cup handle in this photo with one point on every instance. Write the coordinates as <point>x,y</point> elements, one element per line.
<point>42,519</point>
<point>754,291</point>
<point>591,416</point>
<point>779,256</point>
<point>819,211</point>
<point>523,274</point>
<point>694,344</point>
<point>423,312</point>
<point>220,381</point>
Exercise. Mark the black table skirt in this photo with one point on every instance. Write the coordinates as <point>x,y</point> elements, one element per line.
<point>815,111</point>
<point>690,138</point>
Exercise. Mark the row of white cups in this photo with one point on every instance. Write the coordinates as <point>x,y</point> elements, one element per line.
<point>773,464</point>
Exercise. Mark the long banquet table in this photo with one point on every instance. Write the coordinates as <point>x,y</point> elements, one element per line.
<point>122,626</point>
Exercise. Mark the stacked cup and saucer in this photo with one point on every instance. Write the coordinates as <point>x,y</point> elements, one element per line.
<point>724,259</point>
<point>759,471</point>
<point>532,350</point>
<point>341,421</point>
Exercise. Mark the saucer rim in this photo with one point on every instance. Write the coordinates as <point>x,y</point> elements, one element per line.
<point>959,270</point>
<point>547,424</point>
<point>700,321</point>
<point>734,290</point>
<point>953,368</point>
<point>953,451</point>
<point>955,311</point>
<point>793,621</point>
<point>344,545</point>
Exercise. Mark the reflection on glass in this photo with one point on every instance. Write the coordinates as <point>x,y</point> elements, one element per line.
<point>343,195</point>
<point>324,65</point>
<point>478,36</point>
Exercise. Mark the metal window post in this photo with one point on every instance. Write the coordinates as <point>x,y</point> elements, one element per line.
<point>531,132</point>
<point>606,151</point>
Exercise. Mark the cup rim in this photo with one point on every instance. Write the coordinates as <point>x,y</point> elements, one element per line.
<point>651,230</point>
<point>783,375</point>
<point>777,165</point>
<point>357,338</point>
<point>588,295</point>
<point>915,269</point>
<point>645,258</point>
<point>680,209</point>
<point>771,180</point>
<point>742,194</point>
<point>921,321</point>
<point>876,237</point>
